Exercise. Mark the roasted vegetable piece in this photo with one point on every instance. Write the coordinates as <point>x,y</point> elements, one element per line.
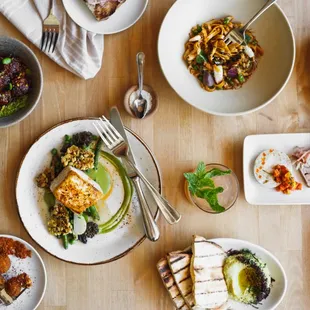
<point>78,158</point>
<point>94,213</point>
<point>91,230</point>
<point>14,67</point>
<point>5,97</point>
<point>65,241</point>
<point>59,222</point>
<point>4,80</point>
<point>82,139</point>
<point>20,86</point>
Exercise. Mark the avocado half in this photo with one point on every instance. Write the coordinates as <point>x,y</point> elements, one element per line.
<point>247,277</point>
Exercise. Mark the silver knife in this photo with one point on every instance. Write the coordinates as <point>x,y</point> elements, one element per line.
<point>150,226</point>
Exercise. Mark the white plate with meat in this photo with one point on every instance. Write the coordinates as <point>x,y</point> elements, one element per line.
<point>23,261</point>
<point>258,194</point>
<point>105,16</point>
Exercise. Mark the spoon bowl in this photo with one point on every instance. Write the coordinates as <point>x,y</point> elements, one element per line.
<point>139,107</point>
<point>148,89</point>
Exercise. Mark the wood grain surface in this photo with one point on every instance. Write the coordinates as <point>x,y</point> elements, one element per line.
<point>180,136</point>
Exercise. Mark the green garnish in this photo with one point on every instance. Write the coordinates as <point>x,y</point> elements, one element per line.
<point>7,60</point>
<point>247,38</point>
<point>201,58</point>
<point>67,138</point>
<point>241,78</point>
<point>226,20</point>
<point>54,151</point>
<point>197,30</point>
<point>201,185</point>
<point>49,198</point>
<point>10,86</point>
<point>13,106</point>
<point>195,67</point>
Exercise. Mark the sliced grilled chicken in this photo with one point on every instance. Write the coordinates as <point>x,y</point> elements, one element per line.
<point>209,287</point>
<point>179,263</point>
<point>169,282</point>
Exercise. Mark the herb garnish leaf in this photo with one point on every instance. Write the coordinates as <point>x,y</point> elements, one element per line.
<point>201,185</point>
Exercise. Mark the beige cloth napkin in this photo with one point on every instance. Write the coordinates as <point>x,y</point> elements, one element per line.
<point>78,50</point>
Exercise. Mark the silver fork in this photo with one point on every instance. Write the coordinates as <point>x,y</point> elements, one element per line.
<point>114,141</point>
<point>50,32</point>
<point>238,35</point>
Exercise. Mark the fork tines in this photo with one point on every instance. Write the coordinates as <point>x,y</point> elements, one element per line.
<point>109,135</point>
<point>233,37</point>
<point>49,38</point>
<point>50,33</point>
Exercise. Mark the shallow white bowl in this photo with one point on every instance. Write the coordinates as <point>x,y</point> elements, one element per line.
<point>273,32</point>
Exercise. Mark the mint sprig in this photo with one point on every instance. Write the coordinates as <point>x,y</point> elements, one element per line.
<point>201,185</point>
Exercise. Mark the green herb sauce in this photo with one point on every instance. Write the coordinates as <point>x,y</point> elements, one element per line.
<point>102,177</point>
<point>14,106</point>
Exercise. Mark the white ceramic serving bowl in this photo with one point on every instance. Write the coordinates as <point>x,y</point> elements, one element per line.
<point>272,31</point>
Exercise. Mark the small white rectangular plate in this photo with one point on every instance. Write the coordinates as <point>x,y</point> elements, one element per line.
<point>255,193</point>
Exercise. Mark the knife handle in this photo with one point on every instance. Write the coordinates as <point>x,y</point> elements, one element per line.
<point>170,214</point>
<point>150,226</point>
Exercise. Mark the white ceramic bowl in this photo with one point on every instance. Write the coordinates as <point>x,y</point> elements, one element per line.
<point>273,32</point>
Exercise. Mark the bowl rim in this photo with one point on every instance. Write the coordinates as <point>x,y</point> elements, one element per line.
<point>233,174</point>
<point>248,111</point>
<point>22,117</point>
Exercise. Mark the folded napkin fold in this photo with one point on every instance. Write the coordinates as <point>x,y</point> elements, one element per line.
<point>78,50</point>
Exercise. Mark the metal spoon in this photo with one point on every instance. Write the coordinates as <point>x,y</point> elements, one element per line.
<point>140,104</point>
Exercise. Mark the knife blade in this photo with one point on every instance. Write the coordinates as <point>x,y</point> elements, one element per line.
<point>150,226</point>
<point>116,121</point>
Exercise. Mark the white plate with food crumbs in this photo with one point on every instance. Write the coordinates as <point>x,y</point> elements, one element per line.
<point>105,16</point>
<point>75,198</point>
<point>275,169</point>
<point>22,275</point>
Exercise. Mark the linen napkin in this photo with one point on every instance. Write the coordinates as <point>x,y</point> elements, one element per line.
<point>77,50</point>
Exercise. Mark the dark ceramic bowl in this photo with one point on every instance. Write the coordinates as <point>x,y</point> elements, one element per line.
<point>13,47</point>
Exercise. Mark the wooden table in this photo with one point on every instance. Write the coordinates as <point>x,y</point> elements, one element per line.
<point>180,136</point>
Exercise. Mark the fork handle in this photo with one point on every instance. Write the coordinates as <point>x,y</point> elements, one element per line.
<point>170,214</point>
<point>150,226</point>
<point>266,6</point>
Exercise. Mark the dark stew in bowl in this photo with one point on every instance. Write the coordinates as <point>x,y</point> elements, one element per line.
<point>15,84</point>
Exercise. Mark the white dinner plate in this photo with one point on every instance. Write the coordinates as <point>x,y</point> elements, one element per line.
<point>124,17</point>
<point>103,248</point>
<point>277,272</point>
<point>274,68</point>
<point>35,268</point>
<point>255,193</point>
